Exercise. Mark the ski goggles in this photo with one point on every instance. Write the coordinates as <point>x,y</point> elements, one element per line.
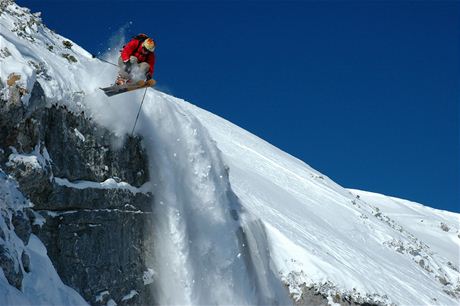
<point>147,50</point>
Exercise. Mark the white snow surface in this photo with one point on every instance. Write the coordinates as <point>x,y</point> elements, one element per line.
<point>319,232</point>
<point>235,216</point>
<point>438,228</point>
<point>107,184</point>
<point>34,160</point>
<point>130,295</point>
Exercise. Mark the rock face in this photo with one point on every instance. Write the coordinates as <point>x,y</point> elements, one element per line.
<point>98,236</point>
<point>313,296</point>
<point>15,231</point>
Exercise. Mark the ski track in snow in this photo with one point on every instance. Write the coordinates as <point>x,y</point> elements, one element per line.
<point>236,216</point>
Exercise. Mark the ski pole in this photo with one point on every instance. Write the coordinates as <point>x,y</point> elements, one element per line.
<point>145,91</point>
<point>94,56</point>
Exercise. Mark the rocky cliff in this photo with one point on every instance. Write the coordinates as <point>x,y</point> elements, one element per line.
<point>88,204</point>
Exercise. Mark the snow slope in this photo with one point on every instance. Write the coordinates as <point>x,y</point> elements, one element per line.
<point>236,217</point>
<point>320,232</point>
<point>438,228</point>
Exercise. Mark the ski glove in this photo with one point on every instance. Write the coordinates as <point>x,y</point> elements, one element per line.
<point>133,59</point>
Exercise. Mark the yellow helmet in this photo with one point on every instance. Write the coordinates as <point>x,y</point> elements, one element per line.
<point>149,44</point>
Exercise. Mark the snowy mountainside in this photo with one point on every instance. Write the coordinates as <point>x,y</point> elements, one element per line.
<point>236,218</point>
<point>28,48</point>
<point>437,228</point>
<point>325,234</point>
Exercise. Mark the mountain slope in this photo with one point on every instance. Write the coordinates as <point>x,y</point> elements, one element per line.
<point>438,228</point>
<point>234,217</point>
<point>321,232</point>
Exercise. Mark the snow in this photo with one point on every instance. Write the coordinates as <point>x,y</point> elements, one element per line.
<point>130,295</point>
<point>61,79</point>
<point>100,296</point>
<point>196,236</point>
<point>110,183</point>
<point>39,219</point>
<point>44,278</point>
<point>148,276</point>
<point>111,302</point>
<point>10,196</point>
<point>79,135</point>
<point>235,217</point>
<point>424,222</point>
<point>42,286</point>
<point>35,159</point>
<point>319,230</point>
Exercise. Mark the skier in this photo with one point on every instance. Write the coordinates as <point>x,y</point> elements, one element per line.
<point>137,58</point>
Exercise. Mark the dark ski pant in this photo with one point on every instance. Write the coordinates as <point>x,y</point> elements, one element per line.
<point>125,69</point>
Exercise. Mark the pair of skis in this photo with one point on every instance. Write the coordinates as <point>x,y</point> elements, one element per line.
<point>119,89</point>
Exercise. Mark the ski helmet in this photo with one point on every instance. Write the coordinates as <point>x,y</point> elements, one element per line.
<point>149,44</point>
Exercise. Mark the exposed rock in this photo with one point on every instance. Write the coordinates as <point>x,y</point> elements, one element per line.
<point>10,114</point>
<point>109,244</point>
<point>95,157</point>
<point>324,294</point>
<point>311,296</point>
<point>37,100</point>
<point>11,215</point>
<point>31,214</point>
<point>33,179</point>
<point>11,267</point>
<point>22,226</point>
<point>25,259</point>
<point>67,198</point>
<point>445,227</point>
<point>99,240</point>
<point>16,91</point>
<point>79,149</point>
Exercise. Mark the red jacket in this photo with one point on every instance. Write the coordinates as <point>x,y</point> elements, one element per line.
<point>140,53</point>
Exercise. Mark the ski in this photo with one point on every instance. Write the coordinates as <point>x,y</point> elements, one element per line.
<point>119,89</point>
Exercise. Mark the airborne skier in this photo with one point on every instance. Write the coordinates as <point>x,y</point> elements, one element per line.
<point>136,63</point>
<point>137,58</point>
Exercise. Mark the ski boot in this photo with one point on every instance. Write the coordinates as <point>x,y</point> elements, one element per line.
<point>121,80</point>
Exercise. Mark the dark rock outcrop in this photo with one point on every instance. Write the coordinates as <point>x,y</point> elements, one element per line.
<point>22,226</point>
<point>68,198</point>
<point>99,239</point>
<point>15,231</point>
<point>82,151</point>
<point>11,267</point>
<point>25,260</point>
<point>100,250</point>
<point>312,295</point>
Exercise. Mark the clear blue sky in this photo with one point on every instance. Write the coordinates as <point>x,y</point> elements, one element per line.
<point>366,92</point>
